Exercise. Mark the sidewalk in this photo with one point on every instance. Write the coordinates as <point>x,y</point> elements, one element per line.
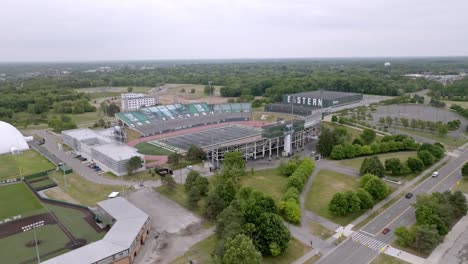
<point>397,192</point>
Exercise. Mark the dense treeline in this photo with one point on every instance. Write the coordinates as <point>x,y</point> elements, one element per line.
<point>457,88</point>
<point>272,79</point>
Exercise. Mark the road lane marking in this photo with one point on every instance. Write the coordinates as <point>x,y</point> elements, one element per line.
<point>438,183</point>
<point>370,234</point>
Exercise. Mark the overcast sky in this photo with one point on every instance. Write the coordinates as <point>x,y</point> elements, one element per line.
<point>62,30</point>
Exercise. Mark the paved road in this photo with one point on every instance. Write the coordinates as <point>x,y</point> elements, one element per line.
<point>365,244</point>
<point>89,174</point>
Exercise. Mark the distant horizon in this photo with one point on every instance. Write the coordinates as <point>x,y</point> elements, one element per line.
<point>238,59</point>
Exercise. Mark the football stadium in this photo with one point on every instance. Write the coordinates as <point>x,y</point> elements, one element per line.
<point>218,128</point>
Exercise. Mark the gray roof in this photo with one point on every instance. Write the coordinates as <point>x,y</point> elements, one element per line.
<point>85,133</point>
<point>327,95</point>
<point>129,222</point>
<point>118,151</point>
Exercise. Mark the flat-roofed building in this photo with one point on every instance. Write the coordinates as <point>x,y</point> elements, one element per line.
<point>107,153</point>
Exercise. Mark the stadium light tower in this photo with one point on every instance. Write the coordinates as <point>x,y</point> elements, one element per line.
<point>209,84</point>
<point>33,226</point>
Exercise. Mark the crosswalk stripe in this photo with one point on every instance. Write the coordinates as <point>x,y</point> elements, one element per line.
<point>368,241</point>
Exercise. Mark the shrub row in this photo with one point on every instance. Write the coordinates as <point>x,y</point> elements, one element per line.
<point>289,206</point>
<point>349,151</point>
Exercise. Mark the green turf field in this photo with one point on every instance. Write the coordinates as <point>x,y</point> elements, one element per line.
<point>149,149</point>
<point>13,249</point>
<point>74,222</point>
<point>17,199</point>
<point>28,161</point>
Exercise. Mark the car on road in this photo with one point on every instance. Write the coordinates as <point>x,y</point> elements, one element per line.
<point>409,195</point>
<point>386,231</point>
<point>190,167</point>
<point>77,156</point>
<point>97,169</point>
<point>435,174</point>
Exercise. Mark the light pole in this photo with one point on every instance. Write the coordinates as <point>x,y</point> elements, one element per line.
<point>33,226</point>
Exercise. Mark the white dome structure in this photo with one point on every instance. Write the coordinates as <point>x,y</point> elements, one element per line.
<point>11,140</point>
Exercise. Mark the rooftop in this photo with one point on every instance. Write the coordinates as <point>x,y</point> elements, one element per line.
<point>84,134</point>
<point>129,221</point>
<point>117,151</point>
<point>322,94</point>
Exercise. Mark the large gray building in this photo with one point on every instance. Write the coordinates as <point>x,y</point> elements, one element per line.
<point>108,154</point>
<point>306,102</point>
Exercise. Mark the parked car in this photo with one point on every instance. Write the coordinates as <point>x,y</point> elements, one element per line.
<point>386,231</point>
<point>190,167</point>
<point>98,169</point>
<point>77,156</point>
<point>83,159</point>
<point>435,174</point>
<point>409,195</point>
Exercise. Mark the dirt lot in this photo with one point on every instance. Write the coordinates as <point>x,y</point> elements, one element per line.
<point>174,229</point>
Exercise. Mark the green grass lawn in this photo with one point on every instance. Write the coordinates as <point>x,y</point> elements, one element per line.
<point>13,249</point>
<point>386,259</point>
<point>28,162</point>
<point>268,181</point>
<point>325,184</point>
<point>317,230</point>
<point>74,222</point>
<point>179,196</point>
<point>203,249</point>
<point>356,162</point>
<point>448,140</point>
<point>86,192</point>
<point>462,185</point>
<point>463,104</point>
<point>295,250</point>
<point>149,149</point>
<point>17,199</point>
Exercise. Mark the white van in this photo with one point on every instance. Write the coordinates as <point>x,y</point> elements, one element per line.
<point>435,174</point>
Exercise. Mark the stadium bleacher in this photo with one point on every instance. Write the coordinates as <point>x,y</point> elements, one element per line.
<point>165,118</point>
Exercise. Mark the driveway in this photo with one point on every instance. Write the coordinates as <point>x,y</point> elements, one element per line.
<point>174,228</point>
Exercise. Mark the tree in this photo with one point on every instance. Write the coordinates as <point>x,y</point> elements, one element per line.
<point>465,170</point>
<point>290,210</point>
<point>442,130</point>
<point>365,198</point>
<point>405,236</point>
<point>168,181</point>
<point>287,168</point>
<point>208,90</point>
<point>372,165</point>
<point>389,120</point>
<point>195,154</point>
<point>368,136</point>
<point>338,204</point>
<point>272,236</point>
<point>64,122</point>
<point>334,118</point>
<point>415,164</point>
<point>326,142</point>
<point>393,166</point>
<point>254,203</point>
<point>291,193</point>
<point>354,204</point>
<point>426,157</point>
<point>129,89</point>
<point>133,164</point>
<point>240,249</point>
<point>112,109</point>
<point>234,162</point>
<point>193,196</point>
<point>196,184</point>
<point>192,91</point>
<point>404,121</point>
<point>376,187</point>
<point>174,158</point>
<point>426,238</point>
